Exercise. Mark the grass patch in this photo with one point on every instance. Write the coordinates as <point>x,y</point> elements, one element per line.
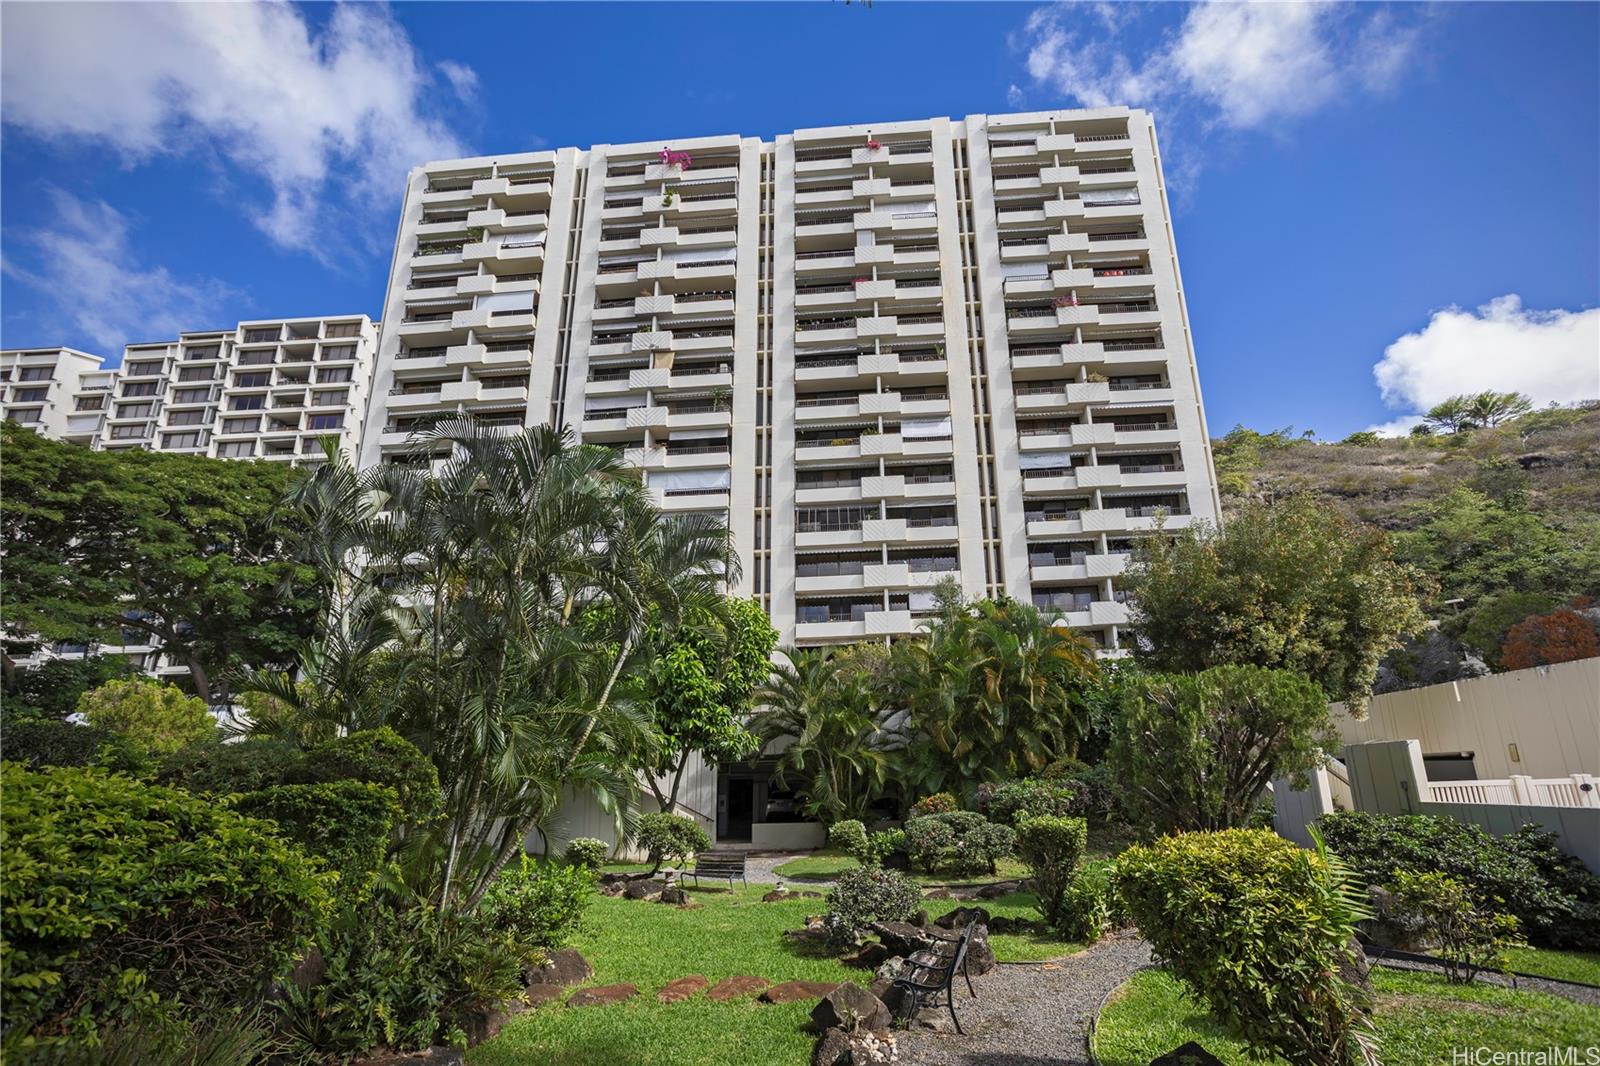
<point>1018,947</point>
<point>649,944</point>
<point>1420,1019</point>
<point>828,863</point>
<point>1581,966</point>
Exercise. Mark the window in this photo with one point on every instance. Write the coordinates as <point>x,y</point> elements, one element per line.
<point>195,417</point>
<point>28,416</point>
<point>139,388</point>
<point>196,373</point>
<point>180,440</point>
<point>343,329</point>
<point>331,398</point>
<point>31,395</point>
<point>91,403</point>
<point>36,373</point>
<point>135,410</point>
<point>237,449</point>
<point>202,353</point>
<point>247,403</point>
<point>127,432</point>
<point>326,422</point>
<point>140,370</point>
<point>336,352</point>
<point>262,357</point>
<point>332,375</point>
<point>240,425</point>
<point>255,336</point>
<point>191,395</point>
<point>256,379</point>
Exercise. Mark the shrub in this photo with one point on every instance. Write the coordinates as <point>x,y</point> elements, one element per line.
<point>45,742</point>
<point>586,851</point>
<point>1566,876</point>
<point>1094,790</point>
<point>670,836</point>
<point>1011,801</point>
<point>870,894</point>
<point>343,824</point>
<point>1085,910</point>
<point>1467,936</point>
<point>540,904</point>
<point>156,717</point>
<point>117,892</point>
<point>850,836</point>
<point>1052,846</point>
<point>1499,875</point>
<point>1259,929</point>
<point>380,757</point>
<point>224,769</point>
<point>938,803</point>
<point>51,690</point>
<point>961,842</point>
<point>887,846</point>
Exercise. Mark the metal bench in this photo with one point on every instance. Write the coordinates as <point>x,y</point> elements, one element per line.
<point>720,865</point>
<point>931,973</point>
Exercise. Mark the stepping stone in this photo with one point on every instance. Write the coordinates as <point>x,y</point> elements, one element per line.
<point>736,988</point>
<point>794,991</point>
<point>600,995</point>
<point>538,995</point>
<point>682,988</point>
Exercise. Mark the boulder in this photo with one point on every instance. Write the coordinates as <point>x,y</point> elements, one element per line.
<point>611,888</point>
<point>890,969</point>
<point>562,967</point>
<point>868,956</point>
<point>647,889</point>
<point>980,956</point>
<point>885,990</point>
<point>851,1007</point>
<point>1190,1054</point>
<point>833,1049</point>
<point>538,995</point>
<point>674,895</point>
<point>904,939</point>
<point>601,995</point>
<point>736,988</point>
<point>958,918</point>
<point>794,991</point>
<point>310,970</point>
<point>481,1025</point>
<point>938,893</point>
<point>681,988</point>
<point>998,889</point>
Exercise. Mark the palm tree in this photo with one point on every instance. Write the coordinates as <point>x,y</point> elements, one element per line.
<point>837,758</point>
<point>1491,408</point>
<point>1451,415</point>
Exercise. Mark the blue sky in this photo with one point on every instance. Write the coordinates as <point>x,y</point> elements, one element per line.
<point>1414,188</point>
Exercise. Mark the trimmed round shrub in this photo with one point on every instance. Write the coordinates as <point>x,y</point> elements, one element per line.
<point>888,846</point>
<point>380,757</point>
<point>870,894</point>
<point>670,837</point>
<point>1260,930</point>
<point>1498,871</point>
<point>224,769</point>
<point>586,851</point>
<point>938,803</point>
<point>116,892</point>
<point>850,837</point>
<point>343,824</point>
<point>1053,847</point>
<point>540,904</point>
<point>46,742</point>
<point>1010,801</point>
<point>155,717</point>
<point>959,842</point>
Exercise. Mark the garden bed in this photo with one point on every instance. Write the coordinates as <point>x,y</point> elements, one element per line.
<point>1420,1019</point>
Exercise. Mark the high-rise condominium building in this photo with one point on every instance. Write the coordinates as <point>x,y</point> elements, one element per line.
<point>273,389</point>
<point>59,392</point>
<point>889,354</point>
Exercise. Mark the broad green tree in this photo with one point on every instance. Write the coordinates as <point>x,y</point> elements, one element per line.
<point>697,685</point>
<point>157,717</point>
<point>177,548</point>
<point>1196,751</point>
<point>1451,415</point>
<point>1490,408</point>
<point>1288,585</point>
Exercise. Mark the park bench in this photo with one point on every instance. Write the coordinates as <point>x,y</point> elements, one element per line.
<point>719,865</point>
<point>930,973</point>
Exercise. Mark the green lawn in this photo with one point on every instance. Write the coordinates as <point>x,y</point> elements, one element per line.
<point>829,863</point>
<point>1420,1020</point>
<point>1581,966</point>
<point>734,933</point>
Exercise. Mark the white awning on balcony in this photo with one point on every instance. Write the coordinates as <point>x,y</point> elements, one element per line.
<point>608,403</point>
<point>1103,197</point>
<point>697,255</point>
<point>719,480</point>
<point>699,434</point>
<point>1025,270</point>
<point>925,427</point>
<point>506,301</point>
<point>1044,460</point>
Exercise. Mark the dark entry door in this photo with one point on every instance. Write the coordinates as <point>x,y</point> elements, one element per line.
<point>741,808</point>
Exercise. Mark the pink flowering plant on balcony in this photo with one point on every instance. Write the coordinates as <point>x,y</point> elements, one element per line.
<point>873,144</point>
<point>1069,300</point>
<point>682,160</point>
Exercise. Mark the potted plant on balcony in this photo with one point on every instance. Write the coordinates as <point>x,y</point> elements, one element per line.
<point>1069,300</point>
<point>873,144</point>
<point>681,160</point>
<point>721,398</point>
<point>667,197</point>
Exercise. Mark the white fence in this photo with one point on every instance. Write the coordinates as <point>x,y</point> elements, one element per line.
<point>1576,790</point>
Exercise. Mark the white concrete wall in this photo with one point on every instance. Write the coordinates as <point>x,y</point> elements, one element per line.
<point>1551,714</point>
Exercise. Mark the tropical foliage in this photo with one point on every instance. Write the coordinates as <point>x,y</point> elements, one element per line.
<point>154,717</point>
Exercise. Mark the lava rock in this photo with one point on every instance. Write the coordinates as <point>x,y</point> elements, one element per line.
<point>647,889</point>
<point>794,991</point>
<point>958,918</point>
<point>600,995</point>
<point>833,1049</point>
<point>611,888</point>
<point>736,988</point>
<point>868,956</point>
<point>674,895</point>
<point>849,1006</point>
<point>998,889</point>
<point>538,995</point>
<point>682,988</point>
<point>891,968</point>
<point>563,967</point>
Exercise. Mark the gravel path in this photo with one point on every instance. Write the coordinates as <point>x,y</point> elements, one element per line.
<point>758,869</point>
<point>1030,1014</point>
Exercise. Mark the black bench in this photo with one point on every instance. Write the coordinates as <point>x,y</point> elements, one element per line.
<point>721,865</point>
<point>930,973</point>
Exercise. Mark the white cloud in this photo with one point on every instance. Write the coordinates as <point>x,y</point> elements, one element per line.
<point>1243,65</point>
<point>1396,427</point>
<point>1015,96</point>
<point>1546,355</point>
<point>83,265</point>
<point>331,121</point>
<point>463,79</point>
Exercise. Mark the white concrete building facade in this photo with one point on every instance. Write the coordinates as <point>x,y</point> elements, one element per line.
<point>889,355</point>
<point>58,392</point>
